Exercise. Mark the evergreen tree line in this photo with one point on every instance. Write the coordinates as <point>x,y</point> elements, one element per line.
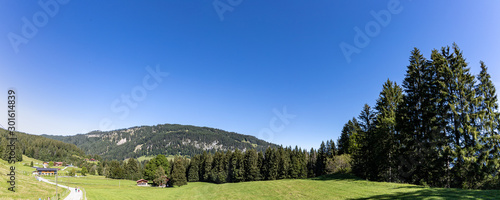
<point>440,128</point>
<point>39,147</point>
<point>273,164</point>
<point>230,166</point>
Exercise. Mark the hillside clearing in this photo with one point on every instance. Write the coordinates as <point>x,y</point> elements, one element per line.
<point>26,185</point>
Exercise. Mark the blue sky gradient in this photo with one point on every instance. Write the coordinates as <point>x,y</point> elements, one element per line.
<point>229,74</point>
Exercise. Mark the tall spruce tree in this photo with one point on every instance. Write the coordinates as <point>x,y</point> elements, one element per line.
<point>462,117</point>
<point>251,161</point>
<point>311,163</point>
<point>321,159</point>
<point>283,163</point>
<point>178,172</point>
<point>236,167</point>
<point>260,166</point>
<point>132,169</point>
<point>385,145</point>
<point>206,166</point>
<point>363,155</point>
<point>194,169</point>
<point>219,171</point>
<point>489,139</point>
<point>439,95</point>
<point>343,141</point>
<point>271,164</point>
<point>411,120</point>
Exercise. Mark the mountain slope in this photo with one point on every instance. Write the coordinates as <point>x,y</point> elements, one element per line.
<point>167,139</point>
<point>39,147</point>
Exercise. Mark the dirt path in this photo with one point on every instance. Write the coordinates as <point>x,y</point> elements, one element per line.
<point>73,195</point>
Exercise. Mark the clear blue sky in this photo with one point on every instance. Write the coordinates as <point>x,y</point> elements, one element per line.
<point>228,73</point>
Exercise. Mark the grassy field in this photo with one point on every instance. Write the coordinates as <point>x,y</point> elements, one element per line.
<point>327,187</point>
<point>26,185</point>
<point>142,158</point>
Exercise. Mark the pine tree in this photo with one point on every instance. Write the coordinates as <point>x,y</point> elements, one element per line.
<point>461,102</point>
<point>193,170</point>
<point>331,149</point>
<point>116,170</point>
<point>311,164</point>
<point>321,159</point>
<point>439,95</point>
<point>271,164</point>
<point>363,155</point>
<point>410,121</point>
<point>295,169</point>
<point>178,172</point>
<point>251,165</point>
<point>488,140</point>
<point>219,172</point>
<point>206,166</point>
<point>343,141</point>
<point>260,166</point>
<point>303,159</point>
<point>283,163</point>
<point>132,169</point>
<point>348,141</point>
<point>385,144</point>
<point>236,167</point>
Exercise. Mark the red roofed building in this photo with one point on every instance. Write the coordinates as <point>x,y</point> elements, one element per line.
<point>142,182</point>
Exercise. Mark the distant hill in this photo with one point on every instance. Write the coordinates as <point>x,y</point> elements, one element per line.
<point>40,148</point>
<point>167,139</point>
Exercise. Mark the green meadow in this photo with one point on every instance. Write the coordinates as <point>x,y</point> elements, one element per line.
<point>26,185</point>
<point>325,187</point>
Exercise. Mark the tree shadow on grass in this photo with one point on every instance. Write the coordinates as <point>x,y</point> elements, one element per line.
<point>338,176</point>
<point>430,193</point>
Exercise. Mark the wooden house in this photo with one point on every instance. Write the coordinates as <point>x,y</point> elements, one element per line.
<point>46,171</point>
<point>142,182</point>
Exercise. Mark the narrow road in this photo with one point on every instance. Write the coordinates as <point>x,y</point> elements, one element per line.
<point>72,195</point>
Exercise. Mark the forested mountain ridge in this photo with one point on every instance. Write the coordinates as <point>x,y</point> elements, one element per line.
<point>167,139</point>
<point>39,147</point>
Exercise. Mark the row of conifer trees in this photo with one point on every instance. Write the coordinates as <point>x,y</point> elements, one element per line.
<point>440,128</point>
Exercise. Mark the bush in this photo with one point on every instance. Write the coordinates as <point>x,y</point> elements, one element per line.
<point>339,164</point>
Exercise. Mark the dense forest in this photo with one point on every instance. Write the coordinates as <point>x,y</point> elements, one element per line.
<point>40,148</point>
<point>440,128</point>
<point>167,139</point>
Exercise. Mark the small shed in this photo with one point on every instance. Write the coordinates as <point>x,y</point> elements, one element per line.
<point>58,164</point>
<point>142,182</point>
